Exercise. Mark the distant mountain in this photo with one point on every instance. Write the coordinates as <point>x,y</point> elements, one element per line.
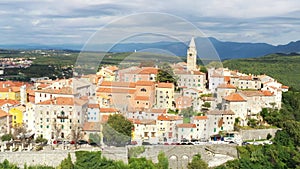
<point>207,47</point>
<point>225,50</point>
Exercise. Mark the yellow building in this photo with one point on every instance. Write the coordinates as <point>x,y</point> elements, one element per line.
<point>12,93</point>
<point>108,73</point>
<point>17,115</point>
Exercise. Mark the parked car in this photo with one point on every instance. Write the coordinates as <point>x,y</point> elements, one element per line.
<point>93,144</point>
<point>245,143</point>
<point>146,143</point>
<point>81,142</point>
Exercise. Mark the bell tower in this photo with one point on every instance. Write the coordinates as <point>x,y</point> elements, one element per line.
<point>192,56</point>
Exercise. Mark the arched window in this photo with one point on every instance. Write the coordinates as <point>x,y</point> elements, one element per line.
<point>143,90</point>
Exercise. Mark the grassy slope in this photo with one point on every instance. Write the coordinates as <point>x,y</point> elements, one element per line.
<point>284,68</point>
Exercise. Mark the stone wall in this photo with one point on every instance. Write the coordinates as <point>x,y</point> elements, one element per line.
<point>179,156</point>
<point>256,134</point>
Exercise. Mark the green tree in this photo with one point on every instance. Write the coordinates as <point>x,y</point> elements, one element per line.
<point>66,163</point>
<point>141,163</point>
<point>117,130</point>
<point>40,139</point>
<point>6,137</point>
<point>166,74</point>
<point>120,124</point>
<point>197,163</point>
<point>163,162</point>
<point>6,165</point>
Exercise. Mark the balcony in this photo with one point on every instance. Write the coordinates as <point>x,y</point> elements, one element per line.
<point>62,117</point>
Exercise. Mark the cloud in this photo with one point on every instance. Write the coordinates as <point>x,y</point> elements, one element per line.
<point>74,21</point>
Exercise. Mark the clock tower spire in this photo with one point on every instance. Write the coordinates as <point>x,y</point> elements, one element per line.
<point>192,56</point>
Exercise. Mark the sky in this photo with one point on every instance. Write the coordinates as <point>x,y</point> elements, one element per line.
<point>78,21</point>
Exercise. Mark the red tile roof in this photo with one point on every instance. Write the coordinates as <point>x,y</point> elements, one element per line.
<point>284,87</point>
<point>165,85</point>
<point>200,118</point>
<point>144,83</point>
<point>3,113</point>
<point>118,84</point>
<point>91,126</point>
<point>226,86</point>
<point>148,70</point>
<point>141,98</point>
<point>93,106</point>
<point>235,97</point>
<point>168,118</point>
<point>8,101</point>
<point>64,101</point>
<point>186,125</point>
<point>110,90</point>
<point>267,93</point>
<point>108,110</point>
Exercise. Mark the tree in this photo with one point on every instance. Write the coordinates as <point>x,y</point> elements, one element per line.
<point>20,132</point>
<point>252,122</point>
<point>66,163</point>
<point>6,137</point>
<point>163,162</point>
<point>141,163</point>
<point>40,139</point>
<point>166,74</point>
<point>76,133</point>
<point>206,104</point>
<point>117,131</point>
<point>197,163</point>
<point>120,124</point>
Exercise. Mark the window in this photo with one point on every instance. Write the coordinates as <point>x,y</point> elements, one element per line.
<point>137,102</point>
<point>215,129</point>
<point>143,90</point>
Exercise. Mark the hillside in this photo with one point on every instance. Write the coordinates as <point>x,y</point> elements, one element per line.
<point>284,68</point>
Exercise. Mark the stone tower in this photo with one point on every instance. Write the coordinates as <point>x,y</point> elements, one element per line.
<point>192,56</point>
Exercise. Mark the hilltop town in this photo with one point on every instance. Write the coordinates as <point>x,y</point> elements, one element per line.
<point>196,107</point>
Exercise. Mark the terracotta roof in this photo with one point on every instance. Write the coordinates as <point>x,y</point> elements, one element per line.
<point>118,84</point>
<point>200,118</point>
<point>168,118</point>
<point>4,113</point>
<point>143,121</point>
<point>267,93</point>
<point>227,79</point>
<point>245,77</point>
<point>144,83</point>
<point>10,89</point>
<point>141,98</point>
<point>112,68</point>
<point>93,106</point>
<point>284,87</point>
<point>8,101</point>
<point>91,126</point>
<point>235,97</point>
<point>220,112</point>
<point>165,85</point>
<point>63,101</point>
<point>162,111</point>
<point>63,90</point>
<point>148,70</point>
<point>110,90</point>
<point>108,110</point>
<point>43,85</point>
<point>226,86</point>
<point>186,125</point>
<point>252,93</point>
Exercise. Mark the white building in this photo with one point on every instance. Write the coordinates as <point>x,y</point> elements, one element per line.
<point>220,120</point>
<point>186,131</point>
<point>201,127</point>
<point>93,113</point>
<point>57,117</point>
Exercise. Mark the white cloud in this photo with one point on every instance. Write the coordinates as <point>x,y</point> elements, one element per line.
<point>73,21</point>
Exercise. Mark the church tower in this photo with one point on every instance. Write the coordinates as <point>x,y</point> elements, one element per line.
<point>192,56</point>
